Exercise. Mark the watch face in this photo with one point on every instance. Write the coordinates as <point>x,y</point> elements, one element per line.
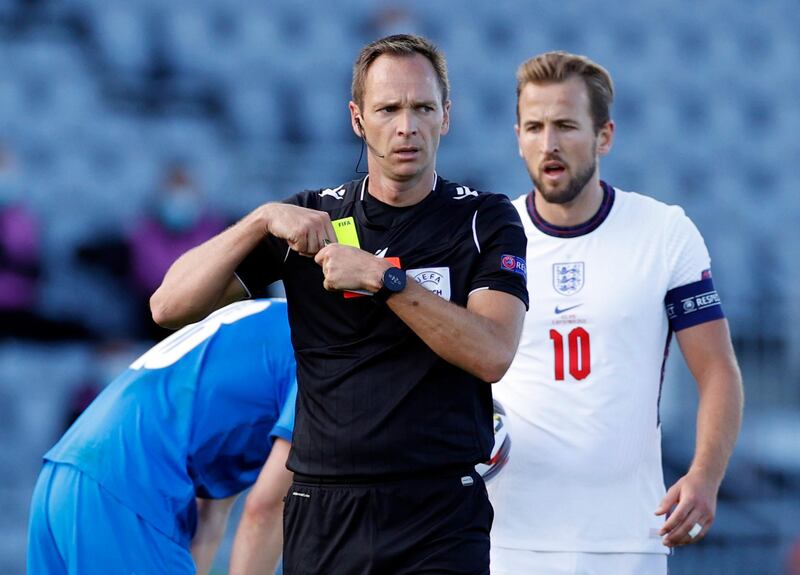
<point>394,279</point>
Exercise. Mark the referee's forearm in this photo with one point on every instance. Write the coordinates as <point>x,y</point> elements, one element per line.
<point>203,279</point>
<point>482,345</point>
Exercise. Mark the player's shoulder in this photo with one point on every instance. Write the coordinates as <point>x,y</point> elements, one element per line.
<point>457,194</point>
<point>239,324</point>
<point>330,198</point>
<point>642,206</point>
<point>248,318</point>
<point>520,202</point>
<point>645,214</point>
<point>272,312</point>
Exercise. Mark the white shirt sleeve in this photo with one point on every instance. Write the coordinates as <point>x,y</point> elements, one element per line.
<point>686,252</point>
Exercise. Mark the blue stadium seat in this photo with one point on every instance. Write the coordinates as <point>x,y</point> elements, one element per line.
<point>121,32</point>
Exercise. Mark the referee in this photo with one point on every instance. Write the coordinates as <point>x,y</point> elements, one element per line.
<point>406,298</point>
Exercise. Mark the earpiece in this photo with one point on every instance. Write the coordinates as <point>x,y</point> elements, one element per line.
<point>364,137</point>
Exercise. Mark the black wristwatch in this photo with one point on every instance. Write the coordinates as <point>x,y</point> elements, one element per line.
<point>394,281</point>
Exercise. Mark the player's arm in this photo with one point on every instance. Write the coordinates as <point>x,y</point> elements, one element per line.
<point>709,354</point>
<point>259,537</point>
<point>212,518</point>
<point>480,339</point>
<point>203,279</point>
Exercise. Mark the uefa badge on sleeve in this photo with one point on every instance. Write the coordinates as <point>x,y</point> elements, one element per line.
<point>514,264</point>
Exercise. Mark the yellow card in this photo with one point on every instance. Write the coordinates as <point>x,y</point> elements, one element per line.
<point>346,234</point>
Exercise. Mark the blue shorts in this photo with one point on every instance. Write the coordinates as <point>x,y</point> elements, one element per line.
<point>79,528</point>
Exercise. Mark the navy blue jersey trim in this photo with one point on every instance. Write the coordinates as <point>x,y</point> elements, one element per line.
<point>586,227</point>
<point>693,304</point>
<point>661,378</point>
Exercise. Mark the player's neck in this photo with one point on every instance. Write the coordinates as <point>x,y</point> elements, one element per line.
<point>574,213</point>
<point>401,193</point>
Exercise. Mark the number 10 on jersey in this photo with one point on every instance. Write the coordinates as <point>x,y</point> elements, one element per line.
<point>580,358</point>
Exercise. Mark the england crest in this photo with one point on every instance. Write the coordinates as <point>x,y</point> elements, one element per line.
<point>568,277</point>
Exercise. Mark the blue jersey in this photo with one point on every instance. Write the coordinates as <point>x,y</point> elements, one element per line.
<point>194,416</point>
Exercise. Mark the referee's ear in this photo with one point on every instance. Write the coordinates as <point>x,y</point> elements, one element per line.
<point>445,118</point>
<point>355,119</point>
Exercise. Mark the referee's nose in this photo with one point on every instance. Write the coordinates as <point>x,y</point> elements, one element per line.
<point>406,123</point>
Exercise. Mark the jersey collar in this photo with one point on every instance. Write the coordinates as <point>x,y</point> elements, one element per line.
<point>408,212</point>
<point>586,227</point>
<point>363,191</point>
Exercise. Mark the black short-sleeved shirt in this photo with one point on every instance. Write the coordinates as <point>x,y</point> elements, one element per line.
<point>373,399</point>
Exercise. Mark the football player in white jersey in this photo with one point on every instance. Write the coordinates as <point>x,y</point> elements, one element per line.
<point>613,275</point>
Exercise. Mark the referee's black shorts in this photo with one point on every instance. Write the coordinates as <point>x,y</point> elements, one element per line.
<point>421,525</point>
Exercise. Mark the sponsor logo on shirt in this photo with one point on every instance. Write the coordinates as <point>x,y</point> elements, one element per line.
<point>337,193</point>
<point>382,253</point>
<point>514,264</point>
<point>568,277</point>
<point>464,192</point>
<point>706,275</point>
<point>436,280</point>
<point>565,309</point>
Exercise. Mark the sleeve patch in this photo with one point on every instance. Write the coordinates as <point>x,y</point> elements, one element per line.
<point>514,264</point>
<point>693,304</point>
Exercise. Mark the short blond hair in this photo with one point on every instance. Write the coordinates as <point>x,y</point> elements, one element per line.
<point>556,67</point>
<point>398,45</point>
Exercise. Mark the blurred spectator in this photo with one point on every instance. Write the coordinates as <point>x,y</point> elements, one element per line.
<point>19,241</point>
<point>109,359</point>
<point>177,220</point>
<point>79,399</point>
<point>793,561</point>
<point>391,19</point>
<point>20,263</point>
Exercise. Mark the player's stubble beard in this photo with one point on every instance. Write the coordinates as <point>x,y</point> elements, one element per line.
<point>573,189</point>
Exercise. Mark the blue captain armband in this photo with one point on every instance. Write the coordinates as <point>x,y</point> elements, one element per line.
<point>693,304</point>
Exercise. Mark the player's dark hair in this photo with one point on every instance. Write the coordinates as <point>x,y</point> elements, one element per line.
<point>398,45</point>
<point>556,67</point>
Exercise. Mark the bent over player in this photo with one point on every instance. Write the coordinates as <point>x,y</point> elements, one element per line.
<point>615,275</point>
<point>195,416</point>
<point>394,406</point>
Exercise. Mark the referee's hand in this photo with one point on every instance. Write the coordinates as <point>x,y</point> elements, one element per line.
<point>350,268</point>
<point>306,231</point>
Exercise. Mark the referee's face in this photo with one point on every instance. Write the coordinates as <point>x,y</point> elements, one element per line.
<point>402,117</point>
<point>557,139</point>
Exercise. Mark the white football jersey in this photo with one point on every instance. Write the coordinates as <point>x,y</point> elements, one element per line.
<point>583,392</point>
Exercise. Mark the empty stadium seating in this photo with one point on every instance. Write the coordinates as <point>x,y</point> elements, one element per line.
<point>97,95</point>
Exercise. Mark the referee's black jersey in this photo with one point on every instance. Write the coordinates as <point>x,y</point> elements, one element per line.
<point>373,399</point>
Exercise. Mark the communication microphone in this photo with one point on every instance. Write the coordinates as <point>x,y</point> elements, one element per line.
<point>364,137</point>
